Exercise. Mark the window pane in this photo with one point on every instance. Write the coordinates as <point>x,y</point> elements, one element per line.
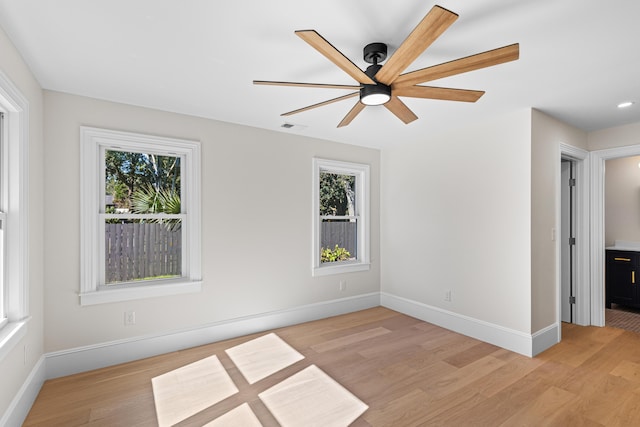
<point>2,261</point>
<point>337,194</point>
<point>141,183</point>
<point>338,240</point>
<point>3,188</point>
<point>142,250</point>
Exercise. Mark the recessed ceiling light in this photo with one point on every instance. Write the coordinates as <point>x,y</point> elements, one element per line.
<point>626,104</point>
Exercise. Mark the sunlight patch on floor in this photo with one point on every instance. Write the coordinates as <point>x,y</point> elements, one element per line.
<point>242,416</point>
<point>263,356</point>
<point>311,397</point>
<point>185,391</point>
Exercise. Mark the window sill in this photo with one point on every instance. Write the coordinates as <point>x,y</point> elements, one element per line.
<point>10,335</point>
<point>327,270</point>
<point>105,296</point>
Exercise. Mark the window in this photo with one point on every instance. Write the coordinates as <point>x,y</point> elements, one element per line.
<point>3,222</point>
<point>14,270</point>
<point>340,217</point>
<point>141,216</point>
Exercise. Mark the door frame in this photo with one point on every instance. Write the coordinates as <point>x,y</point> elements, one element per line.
<point>583,306</point>
<point>597,161</point>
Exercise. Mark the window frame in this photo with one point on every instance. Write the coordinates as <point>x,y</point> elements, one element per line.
<point>14,191</point>
<point>362,190</point>
<point>94,143</point>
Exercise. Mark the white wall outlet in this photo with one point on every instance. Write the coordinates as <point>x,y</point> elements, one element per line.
<point>343,285</point>
<point>129,318</point>
<point>447,295</point>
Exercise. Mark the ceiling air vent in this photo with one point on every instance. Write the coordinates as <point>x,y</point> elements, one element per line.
<point>293,127</point>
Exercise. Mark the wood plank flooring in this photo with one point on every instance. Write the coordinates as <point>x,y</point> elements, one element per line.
<point>409,372</point>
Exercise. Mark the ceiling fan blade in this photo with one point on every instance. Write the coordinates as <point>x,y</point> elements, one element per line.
<point>320,85</point>
<point>459,66</point>
<point>320,104</point>
<point>426,32</point>
<point>401,111</point>
<point>430,92</point>
<point>352,114</point>
<point>334,55</point>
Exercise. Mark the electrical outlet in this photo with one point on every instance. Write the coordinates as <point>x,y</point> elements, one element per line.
<point>343,285</point>
<point>129,318</point>
<point>447,295</point>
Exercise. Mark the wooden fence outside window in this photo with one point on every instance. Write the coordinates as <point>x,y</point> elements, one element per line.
<point>139,251</point>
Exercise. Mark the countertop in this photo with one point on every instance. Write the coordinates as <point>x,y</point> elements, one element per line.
<point>623,245</point>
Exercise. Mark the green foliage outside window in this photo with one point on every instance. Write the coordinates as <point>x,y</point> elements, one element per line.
<point>336,194</point>
<point>335,254</point>
<point>152,179</point>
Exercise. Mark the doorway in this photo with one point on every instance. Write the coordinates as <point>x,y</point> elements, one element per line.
<point>567,240</point>
<point>572,222</point>
<point>622,232</point>
<point>597,166</point>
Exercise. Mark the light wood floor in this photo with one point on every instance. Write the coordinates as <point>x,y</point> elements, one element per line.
<point>410,373</point>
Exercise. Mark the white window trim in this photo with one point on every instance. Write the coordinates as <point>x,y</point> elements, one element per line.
<point>363,209</point>
<point>93,140</point>
<point>16,194</point>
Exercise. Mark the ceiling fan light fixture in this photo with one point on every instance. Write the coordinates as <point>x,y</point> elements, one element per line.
<point>375,94</point>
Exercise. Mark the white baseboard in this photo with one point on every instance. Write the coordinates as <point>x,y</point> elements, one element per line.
<point>86,358</point>
<point>546,338</point>
<point>21,404</point>
<point>510,339</point>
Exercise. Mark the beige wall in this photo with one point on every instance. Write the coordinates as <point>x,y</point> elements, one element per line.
<point>546,135</point>
<point>456,215</point>
<point>620,136</point>
<point>621,193</point>
<point>622,182</point>
<point>622,200</point>
<point>256,231</point>
<point>13,368</point>
<point>462,229</point>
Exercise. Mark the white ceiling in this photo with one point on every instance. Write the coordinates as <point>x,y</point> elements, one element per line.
<point>578,58</point>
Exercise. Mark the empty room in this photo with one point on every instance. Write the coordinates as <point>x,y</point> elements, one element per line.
<point>280,213</point>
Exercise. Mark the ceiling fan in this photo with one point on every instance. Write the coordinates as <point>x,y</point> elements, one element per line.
<point>384,84</point>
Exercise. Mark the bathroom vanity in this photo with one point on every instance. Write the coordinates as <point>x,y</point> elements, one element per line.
<point>623,274</point>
